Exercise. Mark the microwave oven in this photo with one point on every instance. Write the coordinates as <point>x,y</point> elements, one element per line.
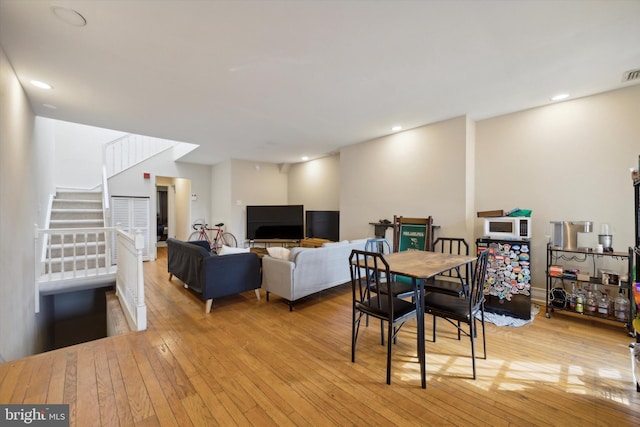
<point>507,227</point>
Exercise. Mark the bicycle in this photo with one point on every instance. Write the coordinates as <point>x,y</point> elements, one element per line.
<point>220,237</point>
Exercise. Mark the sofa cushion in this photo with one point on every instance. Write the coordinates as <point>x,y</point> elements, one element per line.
<point>279,252</point>
<point>362,242</point>
<point>293,254</point>
<point>228,250</point>
<point>202,243</point>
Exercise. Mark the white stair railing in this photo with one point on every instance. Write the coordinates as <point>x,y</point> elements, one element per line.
<point>129,150</point>
<point>106,208</point>
<point>130,279</point>
<point>76,256</point>
<point>70,255</point>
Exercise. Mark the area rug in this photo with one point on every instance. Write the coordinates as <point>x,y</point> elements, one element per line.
<point>503,320</point>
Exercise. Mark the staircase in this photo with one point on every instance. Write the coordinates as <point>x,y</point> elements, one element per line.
<point>77,209</point>
<point>75,245</point>
<point>76,251</point>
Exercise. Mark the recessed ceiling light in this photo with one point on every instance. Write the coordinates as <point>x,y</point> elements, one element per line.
<point>51,106</point>
<point>41,85</point>
<point>305,158</point>
<point>560,97</point>
<point>69,16</point>
<point>396,128</point>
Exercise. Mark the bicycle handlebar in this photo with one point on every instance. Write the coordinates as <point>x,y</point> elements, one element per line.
<point>198,225</point>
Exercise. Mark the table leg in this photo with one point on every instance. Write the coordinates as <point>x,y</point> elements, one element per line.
<point>419,285</point>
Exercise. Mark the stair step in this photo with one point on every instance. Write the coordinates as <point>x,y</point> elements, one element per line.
<point>76,221</point>
<point>79,195</point>
<point>56,239</point>
<point>77,200</point>
<point>77,206</point>
<point>91,244</point>
<point>81,250</point>
<point>78,258</point>
<point>77,215</point>
<point>76,210</point>
<point>55,264</point>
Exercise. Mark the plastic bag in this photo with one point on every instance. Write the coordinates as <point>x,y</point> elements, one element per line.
<point>635,361</point>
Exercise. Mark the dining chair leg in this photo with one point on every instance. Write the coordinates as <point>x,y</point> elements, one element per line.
<point>484,340</point>
<point>434,328</point>
<point>354,335</point>
<point>389,346</point>
<point>473,351</point>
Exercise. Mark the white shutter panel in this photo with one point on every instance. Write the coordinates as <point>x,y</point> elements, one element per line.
<point>131,214</point>
<point>120,212</point>
<point>119,217</point>
<point>140,221</point>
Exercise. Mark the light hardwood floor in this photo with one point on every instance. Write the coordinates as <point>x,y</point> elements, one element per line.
<point>253,362</point>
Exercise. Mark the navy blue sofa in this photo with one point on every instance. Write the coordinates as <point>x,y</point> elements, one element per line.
<point>210,275</point>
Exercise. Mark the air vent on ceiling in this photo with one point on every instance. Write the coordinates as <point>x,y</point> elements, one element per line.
<point>631,75</point>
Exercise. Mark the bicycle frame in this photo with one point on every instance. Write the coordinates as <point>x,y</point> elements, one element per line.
<point>203,231</point>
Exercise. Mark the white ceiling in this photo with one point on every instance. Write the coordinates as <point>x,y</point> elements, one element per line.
<point>274,80</point>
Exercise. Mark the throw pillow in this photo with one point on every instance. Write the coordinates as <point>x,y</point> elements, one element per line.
<point>227,250</point>
<point>343,242</point>
<point>278,252</point>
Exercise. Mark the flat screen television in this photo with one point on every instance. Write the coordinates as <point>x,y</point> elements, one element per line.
<point>323,225</point>
<point>275,222</point>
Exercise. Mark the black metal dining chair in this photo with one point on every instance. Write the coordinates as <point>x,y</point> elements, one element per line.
<point>453,282</point>
<point>453,308</point>
<point>371,284</point>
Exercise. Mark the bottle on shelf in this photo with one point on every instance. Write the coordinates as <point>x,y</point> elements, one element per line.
<point>621,306</point>
<point>572,297</point>
<point>603,305</point>
<point>591,303</point>
<point>580,300</point>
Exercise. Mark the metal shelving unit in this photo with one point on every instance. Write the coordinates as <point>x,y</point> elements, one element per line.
<point>557,254</point>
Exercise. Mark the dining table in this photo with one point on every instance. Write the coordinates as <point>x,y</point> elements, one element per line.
<point>421,266</point>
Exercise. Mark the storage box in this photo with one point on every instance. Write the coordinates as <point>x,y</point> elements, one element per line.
<point>555,270</point>
<point>610,278</point>
<point>490,214</point>
<point>583,277</point>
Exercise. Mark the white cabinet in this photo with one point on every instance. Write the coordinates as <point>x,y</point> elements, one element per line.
<point>131,214</point>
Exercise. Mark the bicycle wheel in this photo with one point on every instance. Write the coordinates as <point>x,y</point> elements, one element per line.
<point>194,236</point>
<point>229,239</point>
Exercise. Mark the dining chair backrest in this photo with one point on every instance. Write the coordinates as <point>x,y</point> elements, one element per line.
<point>412,233</point>
<point>369,273</point>
<point>379,245</point>
<point>476,291</point>
<point>453,246</point>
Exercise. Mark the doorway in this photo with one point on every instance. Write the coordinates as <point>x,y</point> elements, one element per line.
<point>162,213</point>
<point>173,209</point>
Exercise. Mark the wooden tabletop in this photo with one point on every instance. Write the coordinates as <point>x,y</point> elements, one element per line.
<point>424,264</point>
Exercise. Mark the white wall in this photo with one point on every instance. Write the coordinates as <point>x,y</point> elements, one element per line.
<point>221,188</point>
<point>567,161</point>
<point>415,173</point>
<point>24,154</point>
<point>315,184</point>
<point>183,211</point>
<point>254,183</point>
<point>194,179</point>
<point>78,154</point>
